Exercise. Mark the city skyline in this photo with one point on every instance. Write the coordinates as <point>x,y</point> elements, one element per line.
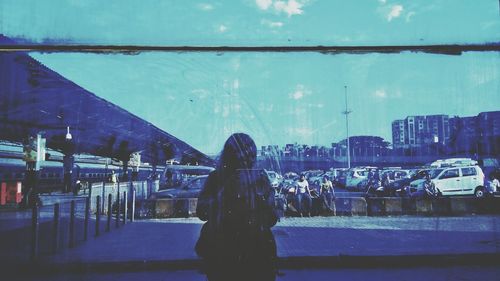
<point>443,141</point>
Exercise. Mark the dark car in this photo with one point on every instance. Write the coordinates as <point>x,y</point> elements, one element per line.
<point>401,184</point>
<point>341,178</point>
<point>190,189</point>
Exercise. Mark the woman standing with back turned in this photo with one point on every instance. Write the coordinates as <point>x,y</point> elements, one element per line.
<point>237,203</point>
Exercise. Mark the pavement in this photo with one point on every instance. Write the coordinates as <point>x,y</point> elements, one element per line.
<point>316,239</point>
<point>319,243</point>
<point>174,239</point>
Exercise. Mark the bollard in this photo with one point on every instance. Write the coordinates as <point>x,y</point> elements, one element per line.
<point>86,219</point>
<point>97,214</point>
<point>142,191</point>
<point>35,228</point>
<point>55,229</point>
<point>117,221</point>
<point>124,207</point>
<point>72,224</point>
<point>108,224</point>
<point>89,187</point>
<point>132,211</point>
<point>103,194</point>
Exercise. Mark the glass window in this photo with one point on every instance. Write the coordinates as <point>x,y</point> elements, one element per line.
<point>453,173</point>
<point>329,85</point>
<point>468,171</point>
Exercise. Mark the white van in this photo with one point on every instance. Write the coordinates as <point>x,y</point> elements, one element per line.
<point>443,163</point>
<point>464,180</point>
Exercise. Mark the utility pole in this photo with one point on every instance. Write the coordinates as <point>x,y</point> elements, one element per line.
<point>346,112</point>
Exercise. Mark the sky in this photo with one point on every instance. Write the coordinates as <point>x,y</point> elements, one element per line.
<point>277,98</point>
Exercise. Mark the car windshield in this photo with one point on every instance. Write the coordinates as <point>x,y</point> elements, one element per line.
<point>435,173</point>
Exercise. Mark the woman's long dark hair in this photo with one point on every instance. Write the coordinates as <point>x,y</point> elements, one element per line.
<point>239,152</point>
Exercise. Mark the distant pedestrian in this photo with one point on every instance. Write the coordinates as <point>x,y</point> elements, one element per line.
<point>169,176</point>
<point>237,201</point>
<point>327,195</point>
<point>303,196</point>
<point>113,178</point>
<point>429,187</point>
<point>78,186</point>
<point>493,183</point>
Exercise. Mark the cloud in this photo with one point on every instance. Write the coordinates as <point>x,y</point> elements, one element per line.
<point>200,93</point>
<point>299,92</point>
<point>298,95</point>
<point>302,132</point>
<point>380,93</point>
<point>298,111</point>
<point>236,107</point>
<point>225,110</point>
<point>236,84</point>
<point>316,105</point>
<point>478,78</point>
<point>383,94</point>
<point>205,7</point>
<point>409,16</point>
<point>264,4</point>
<point>272,24</point>
<point>228,109</point>
<point>266,107</point>
<point>222,28</point>
<point>290,7</point>
<point>236,63</point>
<point>394,12</point>
<point>382,1</point>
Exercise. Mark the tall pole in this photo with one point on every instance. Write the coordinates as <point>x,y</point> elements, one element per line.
<point>346,112</point>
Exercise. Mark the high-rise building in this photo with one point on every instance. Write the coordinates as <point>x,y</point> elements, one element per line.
<point>398,133</point>
<point>488,123</point>
<point>415,131</point>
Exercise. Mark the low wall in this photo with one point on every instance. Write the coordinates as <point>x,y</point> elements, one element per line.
<point>353,206</point>
<point>142,191</point>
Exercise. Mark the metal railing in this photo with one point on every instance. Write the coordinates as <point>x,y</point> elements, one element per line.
<point>30,234</point>
<point>69,224</point>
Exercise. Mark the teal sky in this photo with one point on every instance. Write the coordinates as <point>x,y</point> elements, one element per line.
<point>278,98</point>
<point>252,22</point>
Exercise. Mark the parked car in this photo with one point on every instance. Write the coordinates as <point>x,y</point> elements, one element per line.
<point>340,176</point>
<point>288,182</point>
<point>443,163</point>
<point>356,179</point>
<point>465,180</point>
<point>190,189</point>
<point>274,178</point>
<point>399,186</point>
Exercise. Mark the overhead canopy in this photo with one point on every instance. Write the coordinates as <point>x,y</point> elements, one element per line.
<point>35,99</point>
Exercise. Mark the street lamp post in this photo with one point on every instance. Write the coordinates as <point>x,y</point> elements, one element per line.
<point>346,112</point>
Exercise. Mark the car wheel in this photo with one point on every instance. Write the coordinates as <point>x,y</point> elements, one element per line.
<point>479,193</point>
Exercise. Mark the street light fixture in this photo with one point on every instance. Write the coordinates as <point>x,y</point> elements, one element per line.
<point>68,134</point>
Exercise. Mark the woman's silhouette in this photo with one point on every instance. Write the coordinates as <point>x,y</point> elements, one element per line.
<point>237,201</point>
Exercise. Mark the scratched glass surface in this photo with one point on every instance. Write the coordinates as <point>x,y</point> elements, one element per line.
<point>400,109</point>
<point>284,98</point>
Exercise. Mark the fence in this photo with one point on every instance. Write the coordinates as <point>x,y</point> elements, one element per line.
<point>142,191</point>
<point>48,229</point>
